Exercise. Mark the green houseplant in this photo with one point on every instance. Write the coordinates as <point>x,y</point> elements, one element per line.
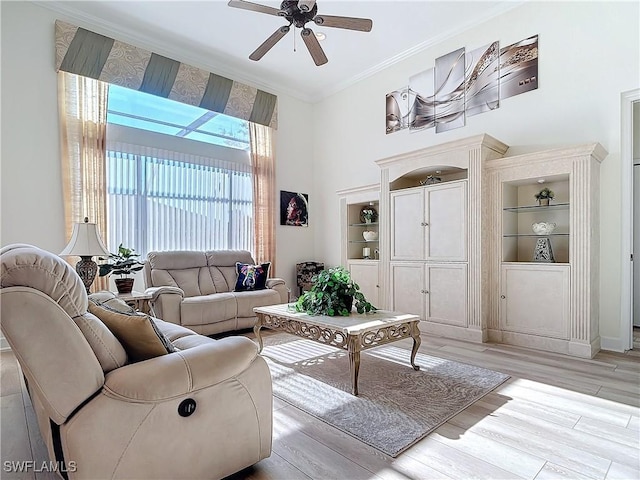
<point>123,263</point>
<point>544,195</point>
<point>333,293</point>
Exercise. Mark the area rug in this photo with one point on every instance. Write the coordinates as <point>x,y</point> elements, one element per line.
<point>396,405</point>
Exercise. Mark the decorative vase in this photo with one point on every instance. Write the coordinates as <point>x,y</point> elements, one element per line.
<point>124,285</point>
<point>543,202</point>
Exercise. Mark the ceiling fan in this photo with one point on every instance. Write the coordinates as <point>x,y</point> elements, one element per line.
<point>298,13</point>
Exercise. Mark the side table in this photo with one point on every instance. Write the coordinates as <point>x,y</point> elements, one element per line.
<point>137,300</point>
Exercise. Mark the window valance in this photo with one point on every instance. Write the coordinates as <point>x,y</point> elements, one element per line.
<point>93,55</point>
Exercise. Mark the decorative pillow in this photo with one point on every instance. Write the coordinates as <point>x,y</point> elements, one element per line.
<point>252,277</point>
<point>138,334</point>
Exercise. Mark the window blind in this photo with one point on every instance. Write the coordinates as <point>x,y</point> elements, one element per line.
<point>164,200</point>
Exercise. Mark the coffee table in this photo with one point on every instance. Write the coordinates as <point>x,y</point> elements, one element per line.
<point>354,333</point>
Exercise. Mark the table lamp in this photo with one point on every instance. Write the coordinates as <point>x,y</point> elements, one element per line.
<point>85,243</point>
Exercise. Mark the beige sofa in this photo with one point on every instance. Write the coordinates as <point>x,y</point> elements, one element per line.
<point>196,290</point>
<point>110,418</point>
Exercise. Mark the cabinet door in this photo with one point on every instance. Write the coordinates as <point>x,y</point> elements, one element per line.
<point>407,225</point>
<point>535,299</point>
<point>446,293</point>
<point>407,288</point>
<point>446,218</point>
<point>365,274</point>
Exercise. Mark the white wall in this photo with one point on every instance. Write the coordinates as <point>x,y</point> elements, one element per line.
<point>588,54</point>
<point>31,207</point>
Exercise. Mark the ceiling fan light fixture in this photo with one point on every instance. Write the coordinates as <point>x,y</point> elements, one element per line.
<point>298,13</point>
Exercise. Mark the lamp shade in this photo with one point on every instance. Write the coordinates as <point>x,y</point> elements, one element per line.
<point>85,241</point>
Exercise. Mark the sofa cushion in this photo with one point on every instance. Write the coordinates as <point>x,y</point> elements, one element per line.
<point>256,298</point>
<point>172,331</point>
<point>208,309</point>
<point>138,333</point>
<point>251,277</point>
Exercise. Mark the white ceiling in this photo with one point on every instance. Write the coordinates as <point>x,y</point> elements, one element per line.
<point>212,35</point>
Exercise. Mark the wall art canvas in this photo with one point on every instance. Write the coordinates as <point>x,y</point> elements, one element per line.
<point>519,67</point>
<point>422,100</point>
<point>450,91</point>
<point>397,110</point>
<point>294,209</point>
<point>482,79</point>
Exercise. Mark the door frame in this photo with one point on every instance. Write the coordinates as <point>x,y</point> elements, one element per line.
<point>626,155</point>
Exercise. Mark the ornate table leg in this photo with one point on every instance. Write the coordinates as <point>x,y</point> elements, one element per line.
<point>256,331</point>
<point>354,362</point>
<point>415,334</point>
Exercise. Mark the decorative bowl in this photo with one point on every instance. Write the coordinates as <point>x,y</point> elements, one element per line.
<point>370,235</point>
<point>543,228</point>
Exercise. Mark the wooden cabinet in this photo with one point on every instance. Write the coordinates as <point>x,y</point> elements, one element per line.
<point>549,302</point>
<point>437,292</point>
<point>429,223</point>
<point>534,299</point>
<point>365,274</point>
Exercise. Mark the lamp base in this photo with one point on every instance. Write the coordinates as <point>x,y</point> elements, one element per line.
<point>87,270</point>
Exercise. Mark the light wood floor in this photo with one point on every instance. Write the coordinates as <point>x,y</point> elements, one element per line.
<point>557,417</point>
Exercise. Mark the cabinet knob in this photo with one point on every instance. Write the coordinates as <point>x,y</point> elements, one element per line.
<point>426,291</point>
<point>503,297</point>
<point>424,224</point>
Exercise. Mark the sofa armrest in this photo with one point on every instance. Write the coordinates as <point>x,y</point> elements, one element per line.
<point>272,282</point>
<point>155,292</point>
<point>279,286</point>
<point>176,374</point>
<point>165,303</point>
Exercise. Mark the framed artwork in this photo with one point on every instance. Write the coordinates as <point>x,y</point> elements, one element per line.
<point>397,110</point>
<point>519,67</point>
<point>294,209</point>
<point>482,79</point>
<point>449,87</point>
<point>422,113</point>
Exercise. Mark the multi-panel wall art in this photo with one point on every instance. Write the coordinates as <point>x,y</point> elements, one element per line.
<point>463,84</point>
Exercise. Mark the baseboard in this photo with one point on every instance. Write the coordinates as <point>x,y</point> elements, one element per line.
<point>612,344</point>
<point>452,331</point>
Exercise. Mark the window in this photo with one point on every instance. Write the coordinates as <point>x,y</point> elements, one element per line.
<point>178,177</point>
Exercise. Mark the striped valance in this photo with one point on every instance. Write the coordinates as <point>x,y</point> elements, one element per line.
<point>93,55</point>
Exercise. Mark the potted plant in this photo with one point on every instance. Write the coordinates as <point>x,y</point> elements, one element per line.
<point>544,195</point>
<point>333,293</point>
<point>123,263</point>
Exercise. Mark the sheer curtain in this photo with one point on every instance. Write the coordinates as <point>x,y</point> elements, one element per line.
<point>83,125</point>
<point>264,194</point>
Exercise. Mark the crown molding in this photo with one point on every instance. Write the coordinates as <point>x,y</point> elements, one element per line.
<point>488,15</point>
<point>183,53</point>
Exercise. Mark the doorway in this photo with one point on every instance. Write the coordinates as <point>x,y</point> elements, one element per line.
<point>630,157</point>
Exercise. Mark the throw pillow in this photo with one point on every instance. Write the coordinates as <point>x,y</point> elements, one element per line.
<point>252,277</point>
<point>138,334</point>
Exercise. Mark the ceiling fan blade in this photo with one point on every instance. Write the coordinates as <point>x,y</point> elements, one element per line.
<point>269,43</point>
<point>350,23</point>
<point>306,5</point>
<point>313,46</point>
<point>254,7</point>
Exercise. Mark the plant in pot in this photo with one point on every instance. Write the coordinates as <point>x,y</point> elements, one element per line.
<point>333,293</point>
<point>123,263</point>
<point>544,195</point>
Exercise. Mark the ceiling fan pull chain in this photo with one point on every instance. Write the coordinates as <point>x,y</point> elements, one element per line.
<point>294,43</point>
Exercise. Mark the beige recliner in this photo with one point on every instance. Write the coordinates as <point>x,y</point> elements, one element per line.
<point>109,418</point>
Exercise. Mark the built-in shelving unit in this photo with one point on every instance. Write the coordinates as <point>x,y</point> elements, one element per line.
<point>545,301</point>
